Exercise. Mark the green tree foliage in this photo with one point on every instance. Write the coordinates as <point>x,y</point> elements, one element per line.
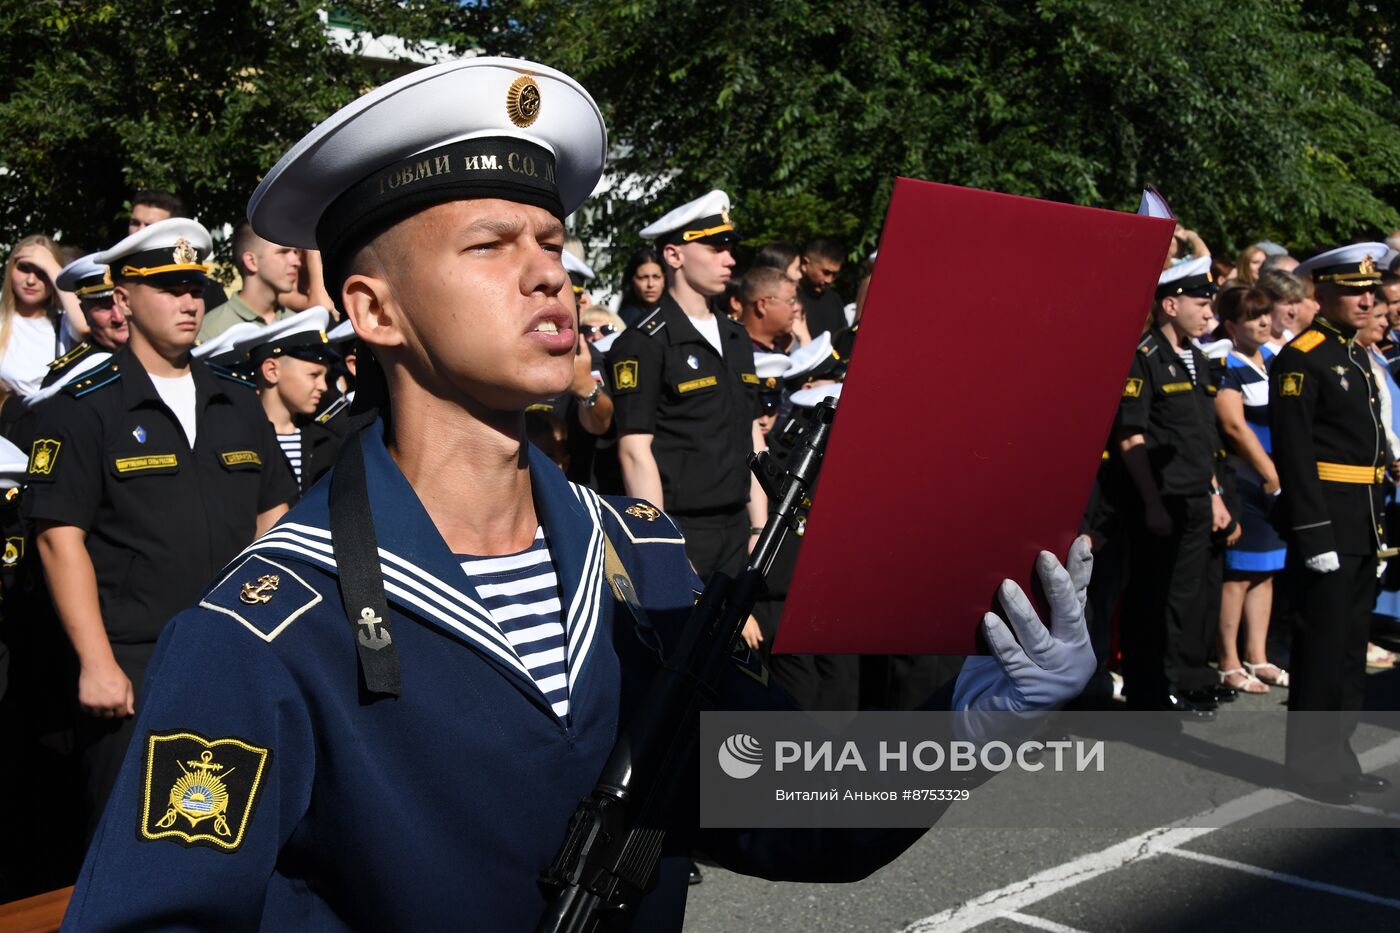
<point>1256,117</point>
<point>1252,119</point>
<point>101,97</point>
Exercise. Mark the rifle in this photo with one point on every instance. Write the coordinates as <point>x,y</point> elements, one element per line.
<point>612,849</point>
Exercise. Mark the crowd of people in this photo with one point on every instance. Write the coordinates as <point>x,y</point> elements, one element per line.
<point>156,426</point>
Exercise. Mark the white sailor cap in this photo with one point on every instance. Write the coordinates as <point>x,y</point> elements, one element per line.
<point>706,220</point>
<point>228,346</point>
<point>814,359</point>
<point>302,335</point>
<point>1358,264</point>
<point>473,128</point>
<point>341,332</point>
<point>1191,277</point>
<point>810,398</point>
<point>86,363</point>
<point>770,369</point>
<point>166,252</point>
<point>85,278</point>
<point>14,463</point>
<point>579,271</point>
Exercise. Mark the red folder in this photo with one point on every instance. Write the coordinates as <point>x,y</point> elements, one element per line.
<point>995,340</point>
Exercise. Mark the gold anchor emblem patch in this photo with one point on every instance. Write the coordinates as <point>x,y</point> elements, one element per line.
<point>212,787</point>
<point>523,101</point>
<point>641,510</point>
<point>199,795</point>
<point>374,635</point>
<point>260,592</point>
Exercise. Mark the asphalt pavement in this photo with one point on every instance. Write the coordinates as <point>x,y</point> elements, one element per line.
<point>1248,867</point>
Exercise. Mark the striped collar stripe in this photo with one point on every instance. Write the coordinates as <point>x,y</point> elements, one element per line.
<point>456,612</point>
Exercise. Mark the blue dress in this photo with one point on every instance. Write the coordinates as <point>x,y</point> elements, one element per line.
<point>1259,549</point>
<point>1388,601</point>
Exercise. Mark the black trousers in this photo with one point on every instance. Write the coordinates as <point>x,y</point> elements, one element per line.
<point>1106,521</point>
<point>1327,669</point>
<point>716,541</point>
<point>1166,633</point>
<point>102,743</point>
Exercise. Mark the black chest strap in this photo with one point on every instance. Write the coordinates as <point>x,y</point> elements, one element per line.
<point>356,550</point>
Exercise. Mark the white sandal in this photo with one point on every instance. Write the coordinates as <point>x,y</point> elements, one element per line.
<point>1245,686</point>
<point>1279,680</point>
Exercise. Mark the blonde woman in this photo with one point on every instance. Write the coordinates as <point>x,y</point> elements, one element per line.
<point>33,326</point>
<point>1248,265</point>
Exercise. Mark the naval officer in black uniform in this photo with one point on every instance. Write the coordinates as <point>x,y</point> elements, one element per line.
<point>1331,451</point>
<point>146,475</point>
<point>1167,436</point>
<point>685,394</point>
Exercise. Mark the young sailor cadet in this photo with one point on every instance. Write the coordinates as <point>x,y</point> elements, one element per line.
<point>416,768</point>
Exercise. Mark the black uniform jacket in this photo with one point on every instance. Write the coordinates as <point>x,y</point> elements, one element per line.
<point>1329,444</point>
<point>110,458</point>
<point>668,381</point>
<point>1175,412</point>
<point>319,445</point>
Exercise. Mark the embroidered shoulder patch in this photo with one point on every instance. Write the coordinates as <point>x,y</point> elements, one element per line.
<point>1291,384</point>
<point>1308,340</point>
<point>625,376</point>
<point>1133,389</point>
<point>43,455</point>
<point>643,522</point>
<point>263,596</point>
<point>200,792</point>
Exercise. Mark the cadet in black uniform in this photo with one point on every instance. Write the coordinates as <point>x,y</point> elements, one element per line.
<point>685,392</point>
<point>1167,434</point>
<point>1330,448</point>
<point>145,476</point>
<point>290,359</point>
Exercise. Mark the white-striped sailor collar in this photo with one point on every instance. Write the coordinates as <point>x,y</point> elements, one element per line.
<point>424,578</point>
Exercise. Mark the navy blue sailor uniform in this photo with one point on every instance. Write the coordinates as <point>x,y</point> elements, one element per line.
<point>262,793</point>
<point>699,405</point>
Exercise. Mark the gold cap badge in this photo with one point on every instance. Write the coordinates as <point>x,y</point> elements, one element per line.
<point>1368,266</point>
<point>185,254</point>
<point>523,101</point>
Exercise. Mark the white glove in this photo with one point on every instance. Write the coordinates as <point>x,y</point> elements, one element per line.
<point>1050,666</point>
<point>1380,568</point>
<point>1323,563</point>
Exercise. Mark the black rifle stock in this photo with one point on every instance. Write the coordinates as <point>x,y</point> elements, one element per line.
<point>612,849</point>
